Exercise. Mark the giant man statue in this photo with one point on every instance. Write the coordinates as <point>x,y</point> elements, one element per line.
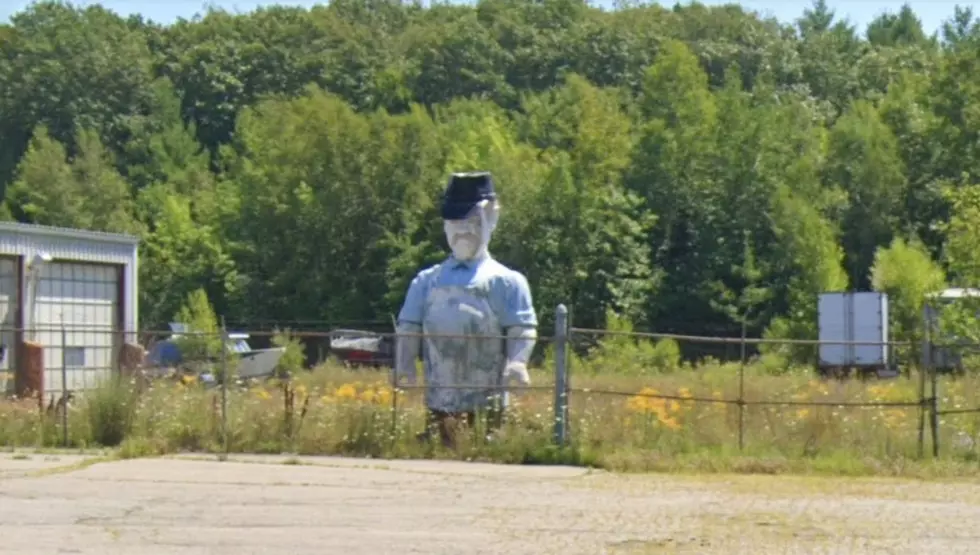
<point>470,317</point>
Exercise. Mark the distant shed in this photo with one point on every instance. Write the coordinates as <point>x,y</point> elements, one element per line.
<point>66,285</point>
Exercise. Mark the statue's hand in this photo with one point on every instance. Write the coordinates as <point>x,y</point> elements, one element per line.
<point>517,371</point>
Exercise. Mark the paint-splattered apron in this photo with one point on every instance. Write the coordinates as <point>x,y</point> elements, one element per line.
<point>476,361</point>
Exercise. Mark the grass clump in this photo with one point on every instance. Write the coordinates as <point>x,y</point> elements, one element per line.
<point>110,409</point>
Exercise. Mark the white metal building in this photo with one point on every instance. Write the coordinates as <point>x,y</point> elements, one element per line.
<point>66,286</point>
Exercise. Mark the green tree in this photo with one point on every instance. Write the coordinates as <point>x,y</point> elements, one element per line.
<point>671,171</point>
<point>669,166</point>
<point>908,274</point>
<point>203,338</point>
<point>82,191</point>
<point>68,68</point>
<point>962,261</point>
<point>864,161</point>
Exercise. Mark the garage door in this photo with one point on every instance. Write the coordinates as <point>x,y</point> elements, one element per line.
<point>8,319</point>
<point>84,300</point>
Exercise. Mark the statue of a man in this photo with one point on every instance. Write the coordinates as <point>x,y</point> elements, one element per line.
<point>470,317</point>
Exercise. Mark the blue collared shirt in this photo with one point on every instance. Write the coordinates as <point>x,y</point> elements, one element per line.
<point>465,308</point>
<point>507,290</point>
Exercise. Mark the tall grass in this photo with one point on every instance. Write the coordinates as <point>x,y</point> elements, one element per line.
<point>334,410</point>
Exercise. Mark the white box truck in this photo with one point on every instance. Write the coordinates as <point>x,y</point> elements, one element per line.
<point>852,318</point>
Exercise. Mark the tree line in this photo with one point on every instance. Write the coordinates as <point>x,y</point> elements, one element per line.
<point>685,169</point>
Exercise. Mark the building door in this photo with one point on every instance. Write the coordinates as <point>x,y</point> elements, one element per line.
<point>78,304</point>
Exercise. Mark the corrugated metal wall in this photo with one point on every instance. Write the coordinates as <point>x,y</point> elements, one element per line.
<point>67,244</point>
<point>87,275</point>
<point>82,246</point>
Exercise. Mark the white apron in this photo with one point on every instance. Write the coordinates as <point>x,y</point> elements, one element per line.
<point>462,361</point>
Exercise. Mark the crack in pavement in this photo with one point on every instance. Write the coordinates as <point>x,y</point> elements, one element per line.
<point>102,520</point>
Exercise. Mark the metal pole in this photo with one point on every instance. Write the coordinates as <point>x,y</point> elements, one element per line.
<point>561,375</point>
<point>924,366</point>
<point>64,386</point>
<point>394,391</point>
<point>224,390</point>
<point>934,413</point>
<point>741,392</point>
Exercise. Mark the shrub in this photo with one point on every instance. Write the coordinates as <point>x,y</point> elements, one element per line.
<point>293,358</point>
<point>109,409</point>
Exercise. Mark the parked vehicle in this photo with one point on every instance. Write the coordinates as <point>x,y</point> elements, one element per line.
<point>362,348</point>
<point>168,357</point>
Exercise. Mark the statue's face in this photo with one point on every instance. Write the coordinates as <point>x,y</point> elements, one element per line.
<point>468,238</point>
<point>465,237</point>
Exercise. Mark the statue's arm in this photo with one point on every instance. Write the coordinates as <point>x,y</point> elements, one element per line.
<point>520,324</point>
<point>520,344</point>
<point>408,342</point>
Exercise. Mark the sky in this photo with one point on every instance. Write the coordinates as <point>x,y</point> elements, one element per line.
<point>859,12</point>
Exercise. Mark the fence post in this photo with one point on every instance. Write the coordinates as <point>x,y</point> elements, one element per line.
<point>934,412</point>
<point>224,391</point>
<point>924,366</point>
<point>394,387</point>
<point>561,375</point>
<point>64,386</point>
<point>741,392</point>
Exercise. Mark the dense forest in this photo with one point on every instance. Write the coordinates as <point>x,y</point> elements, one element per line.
<point>687,168</point>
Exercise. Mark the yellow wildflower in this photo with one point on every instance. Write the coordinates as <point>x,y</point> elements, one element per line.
<point>670,422</point>
<point>894,417</point>
<point>346,391</point>
<point>643,403</point>
<point>300,390</point>
<point>880,392</point>
<point>719,408</point>
<point>681,406</point>
<point>819,387</point>
<point>383,396</point>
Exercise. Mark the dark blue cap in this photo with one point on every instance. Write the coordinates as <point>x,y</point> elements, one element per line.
<point>464,191</point>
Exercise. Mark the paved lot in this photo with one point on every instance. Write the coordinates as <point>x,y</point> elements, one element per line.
<point>352,507</point>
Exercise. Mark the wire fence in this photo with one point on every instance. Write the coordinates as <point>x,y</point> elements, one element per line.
<point>230,391</point>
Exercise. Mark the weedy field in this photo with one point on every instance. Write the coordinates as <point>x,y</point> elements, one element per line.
<point>614,423</point>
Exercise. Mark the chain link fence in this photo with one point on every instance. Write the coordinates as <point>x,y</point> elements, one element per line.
<point>590,390</point>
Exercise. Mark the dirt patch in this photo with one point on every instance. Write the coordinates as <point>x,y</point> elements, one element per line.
<point>326,505</point>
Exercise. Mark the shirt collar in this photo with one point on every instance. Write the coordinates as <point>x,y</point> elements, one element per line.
<point>456,264</point>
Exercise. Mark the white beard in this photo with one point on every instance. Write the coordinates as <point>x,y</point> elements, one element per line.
<point>465,246</point>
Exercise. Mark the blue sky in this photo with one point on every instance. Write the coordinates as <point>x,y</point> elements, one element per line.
<point>861,12</point>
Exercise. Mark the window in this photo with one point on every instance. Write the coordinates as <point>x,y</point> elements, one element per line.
<point>75,356</point>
